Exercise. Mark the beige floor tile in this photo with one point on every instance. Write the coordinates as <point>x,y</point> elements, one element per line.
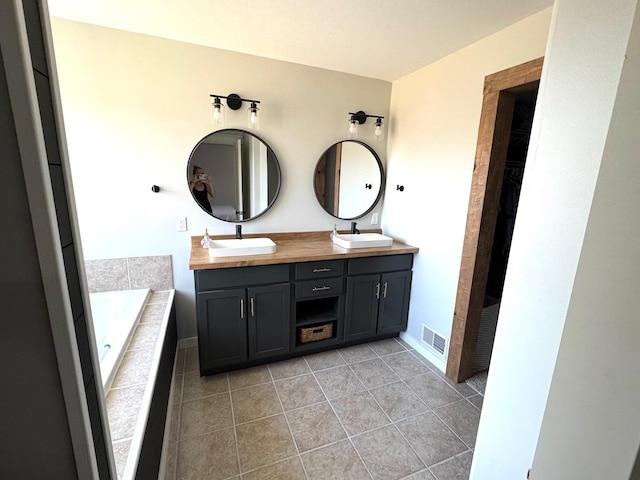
<point>324,360</point>
<point>462,418</point>
<point>255,402</point>
<point>462,388</point>
<point>398,401</point>
<point>205,415</point>
<point>180,358</point>
<point>123,405</point>
<point>456,468</point>
<point>263,442</point>
<point>387,346</point>
<point>373,373</point>
<point>431,438</point>
<point>178,382</point>
<point>434,391</point>
<point>248,377</point>
<point>387,454</point>
<point>289,368</point>
<point>298,392</point>
<point>357,353</point>
<point>405,364</point>
<point>192,360</point>
<point>212,456</point>
<point>134,368</point>
<point>314,426</point>
<point>290,469</point>
<point>423,475</point>
<point>338,461</point>
<point>476,401</point>
<point>359,412</point>
<point>339,381</point>
<point>196,386</point>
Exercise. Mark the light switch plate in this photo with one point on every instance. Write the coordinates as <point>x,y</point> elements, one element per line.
<point>374,219</point>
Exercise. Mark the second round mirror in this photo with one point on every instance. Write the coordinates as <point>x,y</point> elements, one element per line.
<point>348,179</point>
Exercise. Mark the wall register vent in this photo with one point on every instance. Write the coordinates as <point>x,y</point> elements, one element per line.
<point>434,340</point>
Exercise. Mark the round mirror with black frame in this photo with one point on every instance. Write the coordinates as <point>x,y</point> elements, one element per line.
<point>348,179</point>
<point>233,175</point>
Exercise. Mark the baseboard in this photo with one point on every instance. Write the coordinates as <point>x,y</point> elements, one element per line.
<point>188,342</point>
<point>422,350</point>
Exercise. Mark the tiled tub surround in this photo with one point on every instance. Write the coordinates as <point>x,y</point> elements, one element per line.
<point>154,272</point>
<point>129,397</point>
<point>372,411</point>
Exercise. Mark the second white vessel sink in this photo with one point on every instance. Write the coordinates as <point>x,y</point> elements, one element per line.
<point>362,240</point>
<point>245,246</point>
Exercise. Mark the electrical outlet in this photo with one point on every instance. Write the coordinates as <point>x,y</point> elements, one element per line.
<point>374,219</point>
<point>181,224</point>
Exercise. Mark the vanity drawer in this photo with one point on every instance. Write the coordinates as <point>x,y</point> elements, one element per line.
<point>387,263</point>
<point>319,288</point>
<point>325,268</point>
<point>241,276</point>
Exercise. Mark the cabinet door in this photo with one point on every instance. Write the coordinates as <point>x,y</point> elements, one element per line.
<point>269,320</point>
<point>394,302</point>
<point>222,328</point>
<point>362,306</point>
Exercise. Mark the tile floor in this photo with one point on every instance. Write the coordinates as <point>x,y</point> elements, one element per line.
<point>373,411</point>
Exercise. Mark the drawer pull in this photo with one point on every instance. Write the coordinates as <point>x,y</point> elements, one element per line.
<point>320,270</point>
<point>384,293</point>
<point>378,290</point>
<point>242,308</point>
<point>320,289</point>
<point>253,314</point>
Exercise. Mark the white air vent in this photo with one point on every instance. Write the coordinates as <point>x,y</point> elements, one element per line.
<point>434,340</point>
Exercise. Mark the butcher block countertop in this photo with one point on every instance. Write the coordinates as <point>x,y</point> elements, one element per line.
<point>291,247</point>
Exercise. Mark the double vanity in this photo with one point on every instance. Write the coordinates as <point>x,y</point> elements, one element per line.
<point>308,295</point>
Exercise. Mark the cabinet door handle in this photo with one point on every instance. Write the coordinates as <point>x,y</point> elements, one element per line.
<point>378,290</point>
<point>320,289</point>
<point>242,308</point>
<point>252,311</point>
<point>319,270</point>
<point>384,292</point>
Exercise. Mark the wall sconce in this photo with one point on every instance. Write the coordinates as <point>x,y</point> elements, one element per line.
<point>359,118</point>
<point>234,102</point>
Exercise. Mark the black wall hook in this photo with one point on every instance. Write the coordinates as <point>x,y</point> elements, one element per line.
<point>400,187</point>
<point>155,188</point>
<point>367,185</point>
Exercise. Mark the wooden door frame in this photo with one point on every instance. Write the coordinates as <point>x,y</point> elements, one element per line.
<point>498,103</point>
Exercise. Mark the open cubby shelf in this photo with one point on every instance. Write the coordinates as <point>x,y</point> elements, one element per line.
<point>317,310</point>
<point>333,336</point>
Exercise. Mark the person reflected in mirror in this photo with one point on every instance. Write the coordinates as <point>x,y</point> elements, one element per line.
<point>202,188</point>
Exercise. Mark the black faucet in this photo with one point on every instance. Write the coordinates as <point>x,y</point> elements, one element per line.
<point>353,228</point>
<point>239,232</point>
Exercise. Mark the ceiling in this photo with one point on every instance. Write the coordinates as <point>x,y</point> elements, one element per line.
<point>383,39</point>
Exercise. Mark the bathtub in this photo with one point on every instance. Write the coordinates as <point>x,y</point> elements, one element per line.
<point>115,316</point>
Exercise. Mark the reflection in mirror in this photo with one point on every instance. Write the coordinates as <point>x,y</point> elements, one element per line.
<point>348,179</point>
<point>233,175</point>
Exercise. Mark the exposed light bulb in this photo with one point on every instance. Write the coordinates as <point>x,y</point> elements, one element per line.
<point>254,120</point>
<point>218,112</point>
<point>353,127</point>
<point>377,131</point>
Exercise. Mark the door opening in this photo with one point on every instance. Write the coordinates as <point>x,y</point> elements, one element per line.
<point>506,94</point>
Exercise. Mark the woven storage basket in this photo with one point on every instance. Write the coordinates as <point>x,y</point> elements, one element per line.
<point>313,334</point>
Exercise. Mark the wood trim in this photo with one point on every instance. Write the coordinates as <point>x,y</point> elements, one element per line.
<point>491,153</point>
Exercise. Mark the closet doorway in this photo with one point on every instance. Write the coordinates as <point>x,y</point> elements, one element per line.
<point>491,207</point>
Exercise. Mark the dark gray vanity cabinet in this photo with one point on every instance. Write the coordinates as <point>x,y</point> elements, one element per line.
<point>377,296</point>
<point>243,314</point>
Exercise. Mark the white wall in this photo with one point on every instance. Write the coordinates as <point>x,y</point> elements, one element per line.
<point>578,87</point>
<point>135,106</point>
<point>432,142</point>
<point>591,424</point>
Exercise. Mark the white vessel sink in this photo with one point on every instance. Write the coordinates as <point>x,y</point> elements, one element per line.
<point>245,246</point>
<point>362,240</point>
